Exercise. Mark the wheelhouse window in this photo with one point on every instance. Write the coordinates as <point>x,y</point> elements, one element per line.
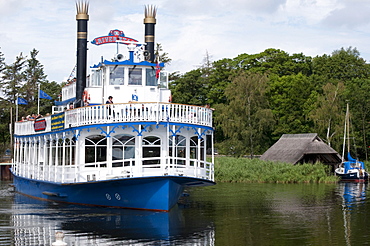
<point>96,151</point>
<point>116,75</point>
<point>95,78</point>
<point>163,80</point>
<point>123,150</point>
<point>135,76</point>
<point>151,80</point>
<point>151,150</point>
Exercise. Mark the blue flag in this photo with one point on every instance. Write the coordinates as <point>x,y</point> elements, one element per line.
<point>44,95</point>
<point>135,97</point>
<point>21,101</point>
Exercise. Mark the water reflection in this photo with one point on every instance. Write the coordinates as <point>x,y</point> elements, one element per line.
<point>225,214</point>
<point>354,195</point>
<point>35,223</point>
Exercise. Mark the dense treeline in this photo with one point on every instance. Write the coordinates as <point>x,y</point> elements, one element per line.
<point>21,79</point>
<point>256,97</point>
<point>259,97</point>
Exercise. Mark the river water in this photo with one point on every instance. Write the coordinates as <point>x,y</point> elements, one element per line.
<point>225,214</point>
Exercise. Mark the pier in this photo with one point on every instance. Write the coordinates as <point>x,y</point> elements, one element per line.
<point>4,171</point>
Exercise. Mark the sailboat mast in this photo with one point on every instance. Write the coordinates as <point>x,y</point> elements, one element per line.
<point>348,126</point>
<point>345,133</point>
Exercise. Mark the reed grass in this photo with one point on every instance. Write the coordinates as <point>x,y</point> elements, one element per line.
<point>245,170</point>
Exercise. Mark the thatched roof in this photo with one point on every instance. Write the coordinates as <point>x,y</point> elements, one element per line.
<point>301,148</point>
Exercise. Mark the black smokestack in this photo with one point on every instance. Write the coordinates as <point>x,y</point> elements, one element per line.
<point>82,18</point>
<point>149,22</point>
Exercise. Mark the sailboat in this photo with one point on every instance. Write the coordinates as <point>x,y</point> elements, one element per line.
<point>352,169</point>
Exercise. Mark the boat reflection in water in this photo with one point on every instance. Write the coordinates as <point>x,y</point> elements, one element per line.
<point>354,195</point>
<point>36,222</point>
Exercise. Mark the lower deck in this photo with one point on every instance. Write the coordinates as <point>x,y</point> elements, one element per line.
<point>115,150</point>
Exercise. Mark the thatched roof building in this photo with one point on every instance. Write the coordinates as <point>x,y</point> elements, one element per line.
<point>302,148</point>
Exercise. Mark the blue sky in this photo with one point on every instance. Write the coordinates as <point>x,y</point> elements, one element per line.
<point>187,30</point>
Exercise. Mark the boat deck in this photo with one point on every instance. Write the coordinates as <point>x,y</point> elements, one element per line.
<point>116,113</point>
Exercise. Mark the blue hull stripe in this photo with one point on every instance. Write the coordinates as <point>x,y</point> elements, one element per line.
<point>149,193</point>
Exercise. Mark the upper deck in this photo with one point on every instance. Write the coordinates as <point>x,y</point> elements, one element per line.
<point>117,113</point>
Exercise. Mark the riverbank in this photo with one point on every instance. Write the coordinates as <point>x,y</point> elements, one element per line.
<point>245,170</point>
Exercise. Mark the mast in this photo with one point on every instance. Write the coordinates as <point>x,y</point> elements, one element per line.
<point>347,119</point>
<point>82,18</point>
<point>346,133</point>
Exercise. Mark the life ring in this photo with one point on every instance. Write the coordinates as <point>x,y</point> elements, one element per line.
<point>85,96</point>
<point>170,98</point>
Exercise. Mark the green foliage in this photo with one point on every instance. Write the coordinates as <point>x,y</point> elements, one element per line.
<point>343,64</point>
<point>304,94</point>
<point>288,96</point>
<point>327,114</point>
<point>247,119</point>
<point>230,169</point>
<point>161,55</point>
<point>190,89</point>
<point>275,61</point>
<point>21,79</point>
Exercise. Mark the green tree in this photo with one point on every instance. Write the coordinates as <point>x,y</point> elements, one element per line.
<point>357,95</point>
<point>289,98</point>
<point>327,114</point>
<point>246,120</point>
<point>275,61</point>
<point>53,89</point>
<point>189,89</point>
<point>162,55</point>
<point>13,79</point>
<point>218,80</point>
<point>343,65</point>
<point>34,75</point>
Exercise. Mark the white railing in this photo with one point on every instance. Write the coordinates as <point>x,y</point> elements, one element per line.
<point>100,114</point>
<point>84,173</point>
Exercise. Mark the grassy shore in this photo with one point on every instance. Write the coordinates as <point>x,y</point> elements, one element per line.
<point>230,169</point>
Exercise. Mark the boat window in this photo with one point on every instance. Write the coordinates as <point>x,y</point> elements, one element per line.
<point>47,157</point>
<point>123,148</point>
<point>60,152</point>
<point>69,151</point>
<point>151,150</point>
<point>95,79</point>
<point>197,149</point>
<point>24,148</point>
<point>177,149</point>
<point>53,151</point>
<point>163,80</point>
<point>151,80</point>
<point>116,75</point>
<point>96,150</point>
<point>135,76</point>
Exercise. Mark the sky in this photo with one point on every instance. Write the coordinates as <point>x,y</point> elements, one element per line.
<point>187,30</point>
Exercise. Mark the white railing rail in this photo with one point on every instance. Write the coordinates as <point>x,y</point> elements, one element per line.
<point>126,112</point>
<point>69,174</point>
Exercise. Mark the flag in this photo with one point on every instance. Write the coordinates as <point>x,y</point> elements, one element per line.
<point>21,101</point>
<point>135,97</point>
<point>44,95</point>
<point>157,71</point>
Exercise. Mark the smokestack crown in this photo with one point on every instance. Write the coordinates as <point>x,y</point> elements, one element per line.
<point>82,10</point>
<point>150,13</point>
